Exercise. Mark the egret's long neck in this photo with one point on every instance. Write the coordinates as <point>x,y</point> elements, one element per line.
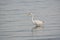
<point>32,17</point>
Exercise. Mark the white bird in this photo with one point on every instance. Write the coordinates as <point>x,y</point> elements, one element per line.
<point>38,23</point>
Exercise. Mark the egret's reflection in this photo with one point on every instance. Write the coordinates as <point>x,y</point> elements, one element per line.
<point>36,29</point>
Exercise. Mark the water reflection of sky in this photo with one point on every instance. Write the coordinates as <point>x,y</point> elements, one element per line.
<point>14,25</point>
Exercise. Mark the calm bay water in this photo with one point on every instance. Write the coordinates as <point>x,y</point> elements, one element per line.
<point>14,25</point>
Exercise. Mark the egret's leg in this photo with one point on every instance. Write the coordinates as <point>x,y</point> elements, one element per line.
<point>32,33</point>
<point>35,31</point>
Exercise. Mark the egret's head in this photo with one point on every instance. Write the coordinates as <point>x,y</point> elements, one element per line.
<point>29,14</point>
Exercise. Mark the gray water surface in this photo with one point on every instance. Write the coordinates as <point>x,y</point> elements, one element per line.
<point>14,25</point>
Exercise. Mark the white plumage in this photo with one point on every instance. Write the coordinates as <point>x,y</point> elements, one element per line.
<point>38,23</point>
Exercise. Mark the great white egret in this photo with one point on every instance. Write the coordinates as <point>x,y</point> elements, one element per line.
<point>38,23</point>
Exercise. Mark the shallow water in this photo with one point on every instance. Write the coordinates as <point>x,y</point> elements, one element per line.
<point>14,25</point>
